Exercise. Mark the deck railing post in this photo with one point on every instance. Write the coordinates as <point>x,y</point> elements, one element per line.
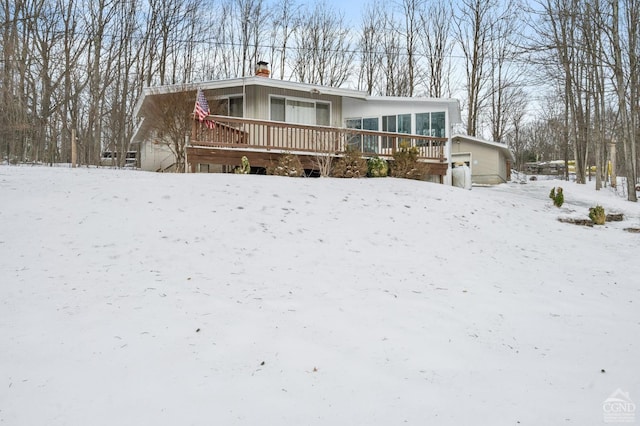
<point>269,130</point>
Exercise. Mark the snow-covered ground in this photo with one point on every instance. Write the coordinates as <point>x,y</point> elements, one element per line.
<point>132,298</point>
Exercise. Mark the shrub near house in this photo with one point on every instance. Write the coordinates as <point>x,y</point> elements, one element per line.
<point>287,165</point>
<point>350,165</point>
<point>406,164</point>
<point>377,167</point>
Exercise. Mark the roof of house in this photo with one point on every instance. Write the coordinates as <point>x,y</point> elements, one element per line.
<point>472,139</point>
<point>245,81</point>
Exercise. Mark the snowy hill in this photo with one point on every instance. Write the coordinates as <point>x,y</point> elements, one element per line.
<point>130,298</point>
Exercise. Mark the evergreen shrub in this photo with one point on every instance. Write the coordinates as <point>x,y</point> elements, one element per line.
<point>597,215</point>
<point>245,168</point>
<point>557,196</point>
<point>406,164</point>
<point>287,165</point>
<point>377,167</point>
<point>350,165</point>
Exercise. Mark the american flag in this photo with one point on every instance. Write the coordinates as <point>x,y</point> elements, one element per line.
<point>202,110</point>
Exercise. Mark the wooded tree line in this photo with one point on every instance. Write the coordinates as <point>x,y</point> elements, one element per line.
<point>556,79</point>
<point>588,52</point>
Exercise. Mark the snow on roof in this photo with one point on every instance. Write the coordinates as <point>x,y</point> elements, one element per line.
<point>502,146</point>
<point>246,81</point>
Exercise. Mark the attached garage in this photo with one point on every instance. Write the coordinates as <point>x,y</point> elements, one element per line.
<point>490,162</point>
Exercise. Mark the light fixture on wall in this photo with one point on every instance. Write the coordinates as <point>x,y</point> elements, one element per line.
<point>314,91</point>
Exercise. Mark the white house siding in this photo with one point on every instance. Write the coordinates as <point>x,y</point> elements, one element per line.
<point>155,156</point>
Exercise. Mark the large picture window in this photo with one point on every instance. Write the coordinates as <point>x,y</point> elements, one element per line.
<point>431,124</point>
<point>300,111</point>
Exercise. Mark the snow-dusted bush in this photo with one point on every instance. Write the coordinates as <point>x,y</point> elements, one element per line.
<point>287,165</point>
<point>350,165</point>
<point>597,215</point>
<point>377,167</point>
<point>406,164</point>
<point>245,168</point>
<point>557,196</point>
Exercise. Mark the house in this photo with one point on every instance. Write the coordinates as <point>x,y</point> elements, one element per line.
<point>490,162</point>
<point>262,118</point>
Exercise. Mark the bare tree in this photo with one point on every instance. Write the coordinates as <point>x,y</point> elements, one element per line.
<point>224,62</point>
<point>472,27</point>
<point>595,81</point>
<point>436,46</point>
<point>395,68</point>
<point>626,86</point>
<point>123,90</point>
<point>412,10</point>
<point>285,22</point>
<point>369,46</point>
<point>324,55</point>
<point>170,119</point>
<point>74,46</point>
<point>251,19</point>
<point>99,67</point>
<point>14,117</point>
<point>48,44</point>
<point>505,95</point>
<point>560,36</point>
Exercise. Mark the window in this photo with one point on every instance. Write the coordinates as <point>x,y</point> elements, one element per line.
<point>236,107</point>
<point>423,124</point>
<point>426,124</point>
<point>277,109</point>
<point>404,123</point>
<point>389,123</point>
<point>370,142</point>
<point>354,123</point>
<point>300,111</point>
<point>438,124</point>
<point>431,124</point>
<point>232,107</point>
<point>323,114</point>
<point>395,124</point>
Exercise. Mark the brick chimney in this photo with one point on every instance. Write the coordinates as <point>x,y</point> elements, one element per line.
<point>262,69</point>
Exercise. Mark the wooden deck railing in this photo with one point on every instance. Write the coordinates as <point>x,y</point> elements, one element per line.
<point>233,132</point>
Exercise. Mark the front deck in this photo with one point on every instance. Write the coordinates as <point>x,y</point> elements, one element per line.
<point>264,142</point>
